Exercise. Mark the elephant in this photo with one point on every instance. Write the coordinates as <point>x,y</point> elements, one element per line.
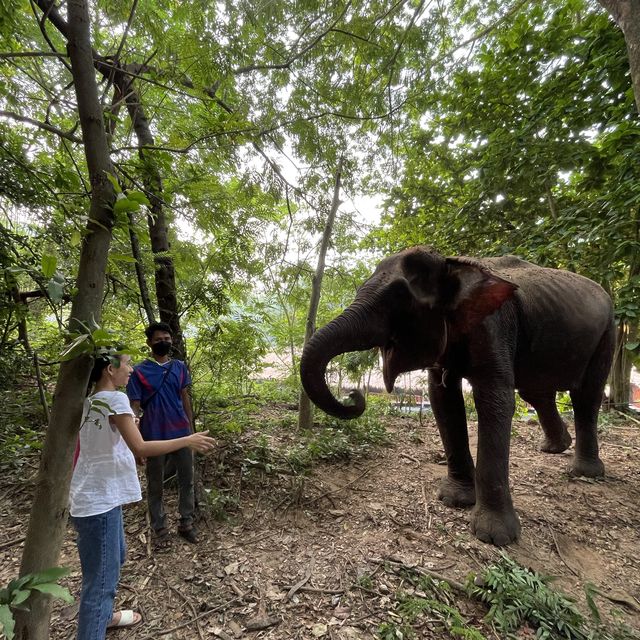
<point>503,324</point>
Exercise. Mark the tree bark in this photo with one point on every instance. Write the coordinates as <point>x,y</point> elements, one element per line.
<point>164,269</point>
<point>142,280</point>
<point>620,378</point>
<point>626,14</point>
<point>47,523</point>
<point>165,276</point>
<point>305,415</point>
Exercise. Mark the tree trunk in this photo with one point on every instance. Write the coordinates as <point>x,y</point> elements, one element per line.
<point>626,14</point>
<point>142,280</point>
<point>620,378</point>
<point>165,273</point>
<point>47,523</point>
<point>305,415</point>
<point>22,312</point>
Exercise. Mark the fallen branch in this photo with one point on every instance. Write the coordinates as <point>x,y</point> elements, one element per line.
<point>221,607</point>
<point>8,545</point>
<point>560,554</point>
<point>339,489</point>
<point>332,592</point>
<point>301,583</point>
<point>454,584</point>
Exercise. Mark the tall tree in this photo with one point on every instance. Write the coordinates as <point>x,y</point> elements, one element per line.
<point>305,410</point>
<point>47,523</point>
<point>626,14</point>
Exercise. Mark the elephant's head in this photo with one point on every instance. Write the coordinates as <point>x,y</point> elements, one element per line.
<point>409,308</point>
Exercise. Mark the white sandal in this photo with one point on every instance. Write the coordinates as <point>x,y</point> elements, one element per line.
<point>128,618</point>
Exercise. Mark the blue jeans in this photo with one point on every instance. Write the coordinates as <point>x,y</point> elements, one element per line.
<point>102,551</point>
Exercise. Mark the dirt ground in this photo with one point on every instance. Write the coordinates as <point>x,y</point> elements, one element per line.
<point>290,558</point>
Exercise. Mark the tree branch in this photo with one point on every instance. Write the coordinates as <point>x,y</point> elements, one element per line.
<point>41,125</point>
<point>32,54</point>
<point>287,64</point>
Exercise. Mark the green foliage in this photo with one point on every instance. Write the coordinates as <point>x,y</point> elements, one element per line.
<point>337,440</point>
<point>228,354</point>
<point>430,600</point>
<point>516,596</point>
<point>563,402</point>
<point>218,503</point>
<point>97,343</point>
<point>15,596</point>
<point>469,405</point>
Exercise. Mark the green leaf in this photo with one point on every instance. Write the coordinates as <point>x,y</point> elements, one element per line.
<point>114,182</point>
<point>49,264</point>
<point>7,621</point>
<point>82,344</point>
<point>122,257</point>
<point>54,590</point>
<point>49,575</point>
<point>19,597</point>
<point>55,287</point>
<point>632,346</point>
<point>102,337</point>
<point>124,205</point>
<point>18,583</point>
<point>139,197</point>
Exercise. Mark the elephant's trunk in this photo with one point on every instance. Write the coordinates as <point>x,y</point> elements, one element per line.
<point>348,332</point>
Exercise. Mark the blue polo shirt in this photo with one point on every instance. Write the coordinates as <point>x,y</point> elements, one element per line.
<point>164,417</point>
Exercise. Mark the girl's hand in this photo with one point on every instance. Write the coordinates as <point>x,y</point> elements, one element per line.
<point>201,442</point>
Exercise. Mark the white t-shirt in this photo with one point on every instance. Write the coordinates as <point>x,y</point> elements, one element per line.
<point>104,476</point>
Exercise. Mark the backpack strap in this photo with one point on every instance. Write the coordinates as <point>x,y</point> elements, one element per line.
<point>165,375</point>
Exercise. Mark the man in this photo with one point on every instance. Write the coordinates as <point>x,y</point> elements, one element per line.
<point>158,391</point>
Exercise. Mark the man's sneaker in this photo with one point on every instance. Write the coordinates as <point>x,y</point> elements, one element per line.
<point>189,535</point>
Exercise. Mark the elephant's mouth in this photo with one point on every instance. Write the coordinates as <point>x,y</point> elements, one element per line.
<point>399,358</point>
<point>390,369</point>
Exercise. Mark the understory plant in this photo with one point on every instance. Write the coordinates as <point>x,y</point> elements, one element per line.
<point>429,602</point>
<point>517,596</point>
<point>17,593</point>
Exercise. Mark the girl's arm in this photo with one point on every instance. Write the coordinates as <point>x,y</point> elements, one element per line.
<point>147,449</point>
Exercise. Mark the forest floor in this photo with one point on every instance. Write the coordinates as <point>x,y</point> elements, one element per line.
<point>337,553</point>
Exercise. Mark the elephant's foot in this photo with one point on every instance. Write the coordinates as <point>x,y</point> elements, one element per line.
<point>495,527</point>
<point>588,468</point>
<point>557,444</point>
<point>454,493</point>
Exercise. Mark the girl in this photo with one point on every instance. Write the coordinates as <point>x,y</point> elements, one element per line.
<point>105,478</point>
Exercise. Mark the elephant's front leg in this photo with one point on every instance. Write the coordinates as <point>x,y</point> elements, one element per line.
<point>447,403</point>
<point>493,518</point>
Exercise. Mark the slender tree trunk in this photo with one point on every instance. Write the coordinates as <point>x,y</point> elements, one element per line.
<point>626,14</point>
<point>142,280</point>
<point>620,378</point>
<point>21,313</point>
<point>305,415</point>
<point>165,276</point>
<point>47,523</point>
<point>165,272</point>
<point>42,392</point>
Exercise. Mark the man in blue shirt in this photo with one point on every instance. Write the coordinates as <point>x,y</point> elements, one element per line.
<point>158,390</point>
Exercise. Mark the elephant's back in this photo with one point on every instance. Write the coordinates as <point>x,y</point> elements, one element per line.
<point>552,291</point>
<point>562,315</point>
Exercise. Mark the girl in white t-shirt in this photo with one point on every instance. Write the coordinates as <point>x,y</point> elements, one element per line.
<point>105,478</point>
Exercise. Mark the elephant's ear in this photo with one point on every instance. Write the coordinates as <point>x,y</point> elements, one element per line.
<point>473,291</point>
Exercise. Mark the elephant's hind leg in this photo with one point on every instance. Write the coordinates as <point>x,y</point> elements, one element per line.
<point>447,402</point>
<point>556,435</point>
<point>586,400</point>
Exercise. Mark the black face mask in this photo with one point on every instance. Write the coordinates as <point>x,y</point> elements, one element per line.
<point>161,348</point>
